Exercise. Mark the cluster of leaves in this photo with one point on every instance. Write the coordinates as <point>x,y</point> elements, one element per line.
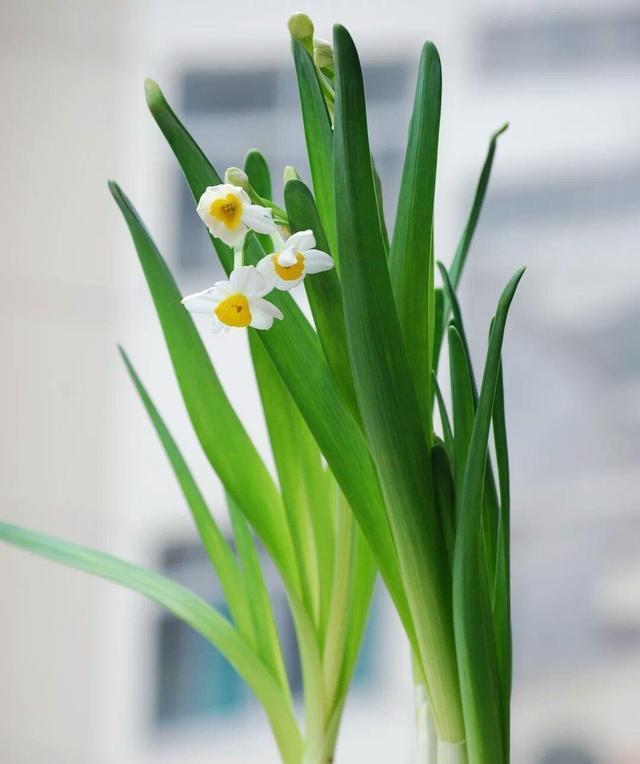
<point>358,393</point>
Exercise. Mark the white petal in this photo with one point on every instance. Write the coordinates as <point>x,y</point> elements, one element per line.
<point>316,261</point>
<point>266,269</point>
<point>247,280</point>
<point>258,218</point>
<point>201,302</point>
<point>230,238</point>
<point>287,286</point>
<point>224,287</point>
<point>301,241</point>
<point>263,313</point>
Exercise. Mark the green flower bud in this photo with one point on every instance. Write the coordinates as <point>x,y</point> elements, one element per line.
<point>322,53</point>
<point>236,177</point>
<point>300,27</point>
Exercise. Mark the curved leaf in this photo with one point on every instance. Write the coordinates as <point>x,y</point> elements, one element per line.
<point>386,396</point>
<point>319,137</point>
<point>212,538</point>
<point>188,608</point>
<point>222,436</point>
<point>411,254</point>
<point>484,714</point>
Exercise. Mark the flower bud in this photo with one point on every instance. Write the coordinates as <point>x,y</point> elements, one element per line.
<point>322,53</point>
<point>290,173</point>
<point>300,27</point>
<point>236,177</point>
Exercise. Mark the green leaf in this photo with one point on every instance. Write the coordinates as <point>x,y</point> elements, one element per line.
<point>319,137</point>
<point>502,594</point>
<point>463,406</point>
<point>188,608</point>
<point>198,171</point>
<point>212,538</point>
<point>302,481</point>
<point>491,508</point>
<point>411,254</point>
<point>386,396</point>
<point>475,637</point>
<point>462,251</point>
<point>222,436</point>
<point>452,301</point>
<point>257,169</point>
<point>323,291</point>
<point>445,494</point>
<point>444,418</point>
<point>257,595</point>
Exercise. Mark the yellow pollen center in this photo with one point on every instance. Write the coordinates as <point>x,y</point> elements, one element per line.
<point>234,311</point>
<point>228,211</point>
<point>289,272</point>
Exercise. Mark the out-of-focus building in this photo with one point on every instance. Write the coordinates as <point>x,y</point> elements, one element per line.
<point>92,674</point>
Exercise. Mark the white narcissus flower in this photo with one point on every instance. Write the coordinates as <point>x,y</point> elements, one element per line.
<point>228,213</point>
<point>298,258</point>
<point>236,303</point>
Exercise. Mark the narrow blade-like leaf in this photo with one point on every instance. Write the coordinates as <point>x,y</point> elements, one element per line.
<point>502,593</point>
<point>323,291</point>
<point>462,251</point>
<point>188,608</point>
<point>484,713</point>
<point>222,436</point>
<point>257,595</point>
<point>319,137</point>
<point>411,254</point>
<point>212,538</point>
<point>386,395</point>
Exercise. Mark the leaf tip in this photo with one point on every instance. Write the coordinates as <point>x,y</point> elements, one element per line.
<point>115,189</point>
<point>500,131</point>
<point>153,94</point>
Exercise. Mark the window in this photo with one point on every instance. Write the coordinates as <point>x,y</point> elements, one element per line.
<point>512,47</point>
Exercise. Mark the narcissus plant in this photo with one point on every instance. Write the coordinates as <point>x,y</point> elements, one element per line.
<point>374,470</point>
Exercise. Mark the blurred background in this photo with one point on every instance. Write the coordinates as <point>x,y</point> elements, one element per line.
<point>90,673</point>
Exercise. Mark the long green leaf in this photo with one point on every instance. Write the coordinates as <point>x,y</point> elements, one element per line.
<point>463,406</point>
<point>445,494</point>
<point>222,436</point>
<point>319,137</point>
<point>211,536</point>
<point>323,291</point>
<point>460,257</point>
<point>188,608</point>
<point>257,595</point>
<point>257,169</point>
<point>386,396</point>
<point>502,594</point>
<point>482,701</point>
<point>302,479</point>
<point>198,171</point>
<point>447,432</point>
<point>411,254</point>
<point>462,251</point>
